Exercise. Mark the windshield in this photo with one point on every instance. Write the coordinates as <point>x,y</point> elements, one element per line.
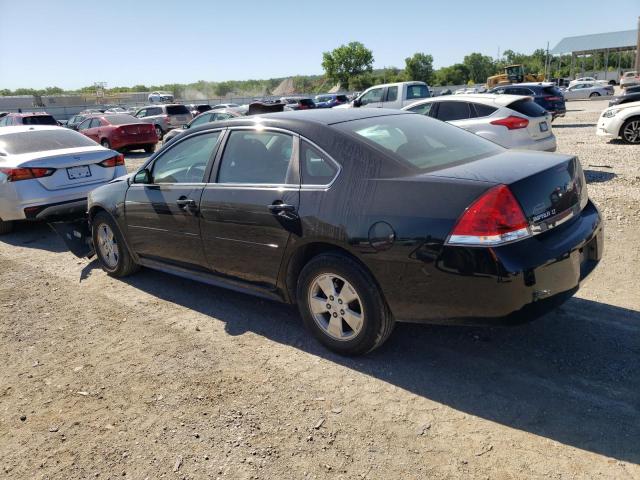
<point>43,140</point>
<point>39,120</point>
<point>419,141</point>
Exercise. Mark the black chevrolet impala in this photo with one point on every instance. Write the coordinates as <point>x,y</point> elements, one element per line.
<point>362,217</point>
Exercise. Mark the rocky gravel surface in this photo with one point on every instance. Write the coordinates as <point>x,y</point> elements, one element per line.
<point>158,377</point>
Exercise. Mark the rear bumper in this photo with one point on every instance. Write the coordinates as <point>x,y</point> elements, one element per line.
<point>547,144</point>
<point>131,141</point>
<point>510,284</point>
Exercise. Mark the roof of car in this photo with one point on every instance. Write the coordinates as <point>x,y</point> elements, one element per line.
<point>495,98</point>
<point>28,114</point>
<point>27,128</point>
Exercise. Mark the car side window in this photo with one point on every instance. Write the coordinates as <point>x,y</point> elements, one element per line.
<point>451,111</point>
<point>422,109</point>
<point>201,119</point>
<point>483,110</point>
<point>372,96</point>
<point>257,158</point>
<point>186,161</point>
<point>3,121</point>
<point>95,123</point>
<point>315,167</point>
<point>84,125</point>
<point>141,113</point>
<point>392,94</point>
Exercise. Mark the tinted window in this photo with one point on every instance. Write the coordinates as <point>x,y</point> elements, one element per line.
<point>187,161</point>
<point>552,91</point>
<point>417,91</point>
<point>315,168</point>
<point>419,141</point>
<point>372,96</point>
<point>256,158</point>
<point>201,119</point>
<point>121,119</point>
<point>177,110</point>
<point>342,98</point>
<point>422,109</point>
<point>153,111</point>
<point>306,101</point>
<point>450,111</point>
<point>528,108</point>
<point>483,110</point>
<point>392,94</point>
<point>42,140</point>
<point>39,120</point>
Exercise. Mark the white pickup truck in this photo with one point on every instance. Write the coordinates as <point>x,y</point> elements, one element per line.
<point>390,95</point>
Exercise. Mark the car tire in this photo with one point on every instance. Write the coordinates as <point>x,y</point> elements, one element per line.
<point>594,95</point>
<point>150,148</point>
<point>357,319</point>
<point>105,143</point>
<point>159,132</point>
<point>110,248</point>
<point>5,227</point>
<point>630,131</point>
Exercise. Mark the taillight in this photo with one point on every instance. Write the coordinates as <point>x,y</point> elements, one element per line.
<point>512,122</point>
<point>553,99</point>
<point>116,161</point>
<point>17,174</point>
<point>494,218</point>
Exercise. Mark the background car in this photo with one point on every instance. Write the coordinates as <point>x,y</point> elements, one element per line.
<point>46,172</point>
<point>629,79</point>
<point>296,103</point>
<point>224,105</point>
<point>621,121</point>
<point>510,120</point>
<point>30,118</point>
<point>164,117</point>
<point>330,100</point>
<point>630,94</point>
<point>120,131</point>
<point>547,95</point>
<point>587,80</point>
<point>584,91</point>
<point>206,117</point>
<point>377,216</point>
<point>197,109</point>
<point>76,120</point>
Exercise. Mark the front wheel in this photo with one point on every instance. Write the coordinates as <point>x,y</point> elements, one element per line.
<point>5,227</point>
<point>112,252</point>
<point>342,305</point>
<point>630,131</point>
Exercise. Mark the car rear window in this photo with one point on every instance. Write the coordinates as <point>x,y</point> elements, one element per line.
<point>527,107</point>
<point>43,140</point>
<point>417,91</point>
<point>552,91</point>
<point>306,101</point>
<point>121,119</point>
<point>39,120</point>
<point>177,110</point>
<point>420,142</point>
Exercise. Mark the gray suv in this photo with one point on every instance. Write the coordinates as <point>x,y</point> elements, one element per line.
<point>165,117</point>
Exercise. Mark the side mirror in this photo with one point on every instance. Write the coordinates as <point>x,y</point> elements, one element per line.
<point>185,126</point>
<point>357,103</point>
<point>143,176</point>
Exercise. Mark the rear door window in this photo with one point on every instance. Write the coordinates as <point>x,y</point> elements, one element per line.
<point>451,111</point>
<point>392,94</point>
<point>315,167</point>
<point>422,109</point>
<point>483,110</point>
<point>95,122</point>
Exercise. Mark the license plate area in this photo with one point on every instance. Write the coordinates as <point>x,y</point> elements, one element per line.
<point>544,126</point>
<point>75,173</point>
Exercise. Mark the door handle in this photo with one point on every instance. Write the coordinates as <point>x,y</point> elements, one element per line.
<point>281,207</point>
<point>186,203</point>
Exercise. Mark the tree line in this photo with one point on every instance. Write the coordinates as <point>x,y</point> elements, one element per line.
<point>351,66</point>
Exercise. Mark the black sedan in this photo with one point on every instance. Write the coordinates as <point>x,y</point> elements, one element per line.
<point>362,217</point>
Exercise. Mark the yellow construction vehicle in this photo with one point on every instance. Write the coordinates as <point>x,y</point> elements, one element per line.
<point>513,74</point>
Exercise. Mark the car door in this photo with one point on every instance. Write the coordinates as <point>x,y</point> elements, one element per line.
<point>86,128</point>
<point>249,208</point>
<point>163,215</point>
<point>372,98</point>
<point>391,98</point>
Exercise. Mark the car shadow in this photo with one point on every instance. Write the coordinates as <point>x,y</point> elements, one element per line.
<point>596,176</point>
<point>574,125</point>
<point>34,235</point>
<point>572,376</point>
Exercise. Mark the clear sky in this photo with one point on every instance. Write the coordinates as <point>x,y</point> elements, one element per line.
<point>72,43</point>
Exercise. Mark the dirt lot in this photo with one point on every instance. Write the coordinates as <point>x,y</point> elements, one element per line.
<point>158,377</point>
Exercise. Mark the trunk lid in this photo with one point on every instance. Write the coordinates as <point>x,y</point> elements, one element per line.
<point>550,188</point>
<point>539,119</point>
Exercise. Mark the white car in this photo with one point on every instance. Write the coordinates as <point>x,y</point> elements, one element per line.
<point>629,79</point>
<point>585,91</point>
<point>513,121</point>
<point>46,172</point>
<point>621,121</point>
<point>587,80</point>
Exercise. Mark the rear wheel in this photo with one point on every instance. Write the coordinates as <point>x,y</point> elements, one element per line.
<point>594,95</point>
<point>150,148</point>
<point>630,131</point>
<point>5,227</point>
<point>342,305</point>
<point>105,143</point>
<point>159,132</point>
<point>110,247</point>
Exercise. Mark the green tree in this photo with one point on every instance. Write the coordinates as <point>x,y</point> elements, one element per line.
<point>480,67</point>
<point>346,62</point>
<point>457,74</point>
<point>419,67</point>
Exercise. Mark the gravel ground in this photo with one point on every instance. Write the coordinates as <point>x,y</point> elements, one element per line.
<point>158,377</point>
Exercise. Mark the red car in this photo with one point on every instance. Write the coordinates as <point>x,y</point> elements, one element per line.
<point>30,118</point>
<point>120,131</point>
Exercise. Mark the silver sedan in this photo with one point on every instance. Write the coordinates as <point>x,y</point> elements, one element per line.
<point>584,91</point>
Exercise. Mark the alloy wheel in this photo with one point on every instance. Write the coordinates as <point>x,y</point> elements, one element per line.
<point>108,246</point>
<point>336,306</point>
<point>632,132</point>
